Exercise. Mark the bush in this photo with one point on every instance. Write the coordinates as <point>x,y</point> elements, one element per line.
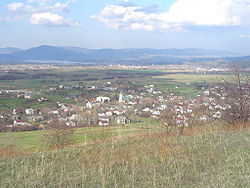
<point>60,136</point>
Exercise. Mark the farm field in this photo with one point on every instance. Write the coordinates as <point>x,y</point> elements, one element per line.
<point>29,79</point>
<point>193,78</point>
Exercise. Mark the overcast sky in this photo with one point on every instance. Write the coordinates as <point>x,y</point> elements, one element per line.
<point>211,24</point>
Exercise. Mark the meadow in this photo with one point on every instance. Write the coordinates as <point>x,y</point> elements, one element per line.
<point>207,157</point>
<point>31,141</point>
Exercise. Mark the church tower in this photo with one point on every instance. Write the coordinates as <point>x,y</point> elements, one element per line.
<point>120,100</point>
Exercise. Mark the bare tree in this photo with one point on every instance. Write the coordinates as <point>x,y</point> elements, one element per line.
<point>60,135</point>
<point>168,120</point>
<point>237,97</point>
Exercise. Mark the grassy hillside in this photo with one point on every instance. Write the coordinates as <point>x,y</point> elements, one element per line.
<point>146,159</point>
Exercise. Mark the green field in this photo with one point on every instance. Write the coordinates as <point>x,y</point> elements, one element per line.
<point>29,79</point>
<point>8,104</point>
<point>193,78</point>
<point>34,140</point>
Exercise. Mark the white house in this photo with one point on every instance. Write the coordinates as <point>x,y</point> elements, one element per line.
<point>20,123</point>
<point>147,109</point>
<point>217,115</point>
<point>102,99</point>
<point>30,111</point>
<point>118,112</point>
<point>103,122</point>
<point>88,105</point>
<point>121,120</point>
<point>70,124</point>
<point>109,113</point>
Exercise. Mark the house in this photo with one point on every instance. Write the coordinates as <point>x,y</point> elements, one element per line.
<point>181,120</point>
<point>109,113</point>
<point>147,109</point>
<point>103,122</point>
<point>121,120</point>
<point>102,99</point>
<point>156,114</point>
<point>132,102</point>
<point>217,115</point>
<point>30,111</point>
<point>54,112</point>
<point>17,111</point>
<point>75,117</point>
<point>43,99</point>
<point>118,112</point>
<point>101,114</point>
<point>20,96</point>
<point>88,105</point>
<point>20,123</point>
<point>27,96</point>
<point>70,124</point>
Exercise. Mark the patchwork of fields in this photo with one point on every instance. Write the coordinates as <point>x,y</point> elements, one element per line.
<point>40,81</point>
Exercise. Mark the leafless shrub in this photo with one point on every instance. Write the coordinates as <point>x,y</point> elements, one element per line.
<point>60,135</point>
<point>168,120</point>
<point>237,92</point>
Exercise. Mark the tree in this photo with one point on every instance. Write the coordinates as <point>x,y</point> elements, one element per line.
<point>168,120</point>
<point>237,97</point>
<point>60,135</point>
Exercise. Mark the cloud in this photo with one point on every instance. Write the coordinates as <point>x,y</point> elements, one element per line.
<point>19,7</point>
<point>43,12</point>
<point>182,13</point>
<point>50,19</point>
<point>244,36</point>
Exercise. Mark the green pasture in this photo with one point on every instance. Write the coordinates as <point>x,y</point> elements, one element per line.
<point>31,141</point>
<point>193,78</point>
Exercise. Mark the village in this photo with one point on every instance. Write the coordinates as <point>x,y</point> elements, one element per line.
<point>115,105</point>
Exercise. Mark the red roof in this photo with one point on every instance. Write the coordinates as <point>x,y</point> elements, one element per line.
<point>19,120</point>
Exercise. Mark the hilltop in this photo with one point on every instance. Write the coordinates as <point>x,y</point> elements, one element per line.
<point>200,158</point>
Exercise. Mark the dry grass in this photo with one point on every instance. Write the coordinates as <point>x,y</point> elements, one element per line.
<point>196,159</point>
<point>8,151</point>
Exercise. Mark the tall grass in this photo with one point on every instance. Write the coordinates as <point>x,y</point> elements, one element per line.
<point>153,160</point>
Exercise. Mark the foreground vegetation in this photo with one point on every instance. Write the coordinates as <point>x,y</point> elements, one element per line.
<point>199,158</point>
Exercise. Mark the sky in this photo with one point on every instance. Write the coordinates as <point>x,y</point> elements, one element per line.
<point>210,24</point>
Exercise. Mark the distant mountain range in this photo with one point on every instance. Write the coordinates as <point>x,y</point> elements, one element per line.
<point>9,50</point>
<point>64,54</point>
